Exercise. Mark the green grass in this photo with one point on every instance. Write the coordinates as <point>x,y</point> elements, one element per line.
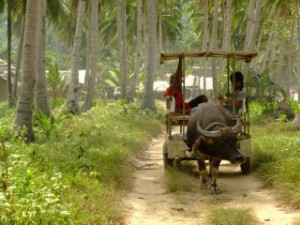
<point>276,158</point>
<point>276,150</point>
<point>232,216</point>
<point>178,180</point>
<point>77,170</point>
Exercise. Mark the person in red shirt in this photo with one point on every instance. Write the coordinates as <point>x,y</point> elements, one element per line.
<point>175,90</point>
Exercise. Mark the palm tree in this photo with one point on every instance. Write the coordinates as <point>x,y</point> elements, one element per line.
<point>298,54</point>
<point>72,99</point>
<point>29,70</point>
<point>213,46</point>
<point>19,11</point>
<point>9,81</point>
<point>41,90</point>
<point>148,100</point>
<point>122,42</point>
<point>54,10</point>
<point>94,56</point>
<point>88,46</point>
<point>204,43</point>
<point>139,31</point>
<point>252,27</point>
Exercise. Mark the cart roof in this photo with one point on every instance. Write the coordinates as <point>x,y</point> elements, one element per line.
<point>240,55</point>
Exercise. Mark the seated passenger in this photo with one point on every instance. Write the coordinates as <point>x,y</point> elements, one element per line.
<point>237,98</point>
<point>174,90</point>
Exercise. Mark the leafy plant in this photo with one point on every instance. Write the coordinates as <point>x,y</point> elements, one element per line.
<point>283,118</point>
<point>57,102</point>
<point>55,80</point>
<point>47,124</point>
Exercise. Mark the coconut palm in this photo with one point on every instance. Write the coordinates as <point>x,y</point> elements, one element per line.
<point>122,43</point>
<point>72,99</point>
<point>148,99</point>
<point>213,46</point>
<point>94,56</point>
<point>9,32</point>
<point>25,103</point>
<point>139,31</point>
<point>298,52</point>
<point>41,91</point>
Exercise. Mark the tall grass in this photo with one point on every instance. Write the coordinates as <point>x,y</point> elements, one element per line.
<point>232,216</point>
<point>77,170</point>
<point>276,155</point>
<point>177,180</point>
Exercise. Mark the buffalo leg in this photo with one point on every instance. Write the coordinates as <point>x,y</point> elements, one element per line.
<point>195,148</point>
<point>203,172</point>
<point>214,170</point>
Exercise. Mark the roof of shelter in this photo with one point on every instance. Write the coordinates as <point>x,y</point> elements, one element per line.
<point>241,55</point>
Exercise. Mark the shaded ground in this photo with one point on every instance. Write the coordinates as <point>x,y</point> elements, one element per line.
<point>151,203</point>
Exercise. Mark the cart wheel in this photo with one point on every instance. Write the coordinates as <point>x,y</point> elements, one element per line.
<point>167,162</point>
<point>246,166</point>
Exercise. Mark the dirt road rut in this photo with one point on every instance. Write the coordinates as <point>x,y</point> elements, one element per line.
<point>150,203</point>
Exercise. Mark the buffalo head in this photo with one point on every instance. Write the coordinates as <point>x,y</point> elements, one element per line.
<point>220,141</point>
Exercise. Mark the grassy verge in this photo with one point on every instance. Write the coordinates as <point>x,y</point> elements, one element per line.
<point>276,158</point>
<point>76,170</point>
<point>179,180</point>
<point>232,216</point>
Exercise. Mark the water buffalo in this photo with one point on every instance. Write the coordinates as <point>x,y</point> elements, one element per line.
<point>212,134</point>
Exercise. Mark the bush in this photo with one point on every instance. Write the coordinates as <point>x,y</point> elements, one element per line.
<point>276,158</point>
<point>76,170</point>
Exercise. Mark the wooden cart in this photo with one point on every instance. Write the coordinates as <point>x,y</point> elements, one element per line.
<point>176,123</point>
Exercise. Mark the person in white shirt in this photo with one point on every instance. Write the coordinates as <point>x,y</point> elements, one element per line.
<point>236,99</point>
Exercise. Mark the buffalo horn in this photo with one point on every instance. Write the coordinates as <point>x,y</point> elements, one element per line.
<point>218,133</point>
<point>212,133</point>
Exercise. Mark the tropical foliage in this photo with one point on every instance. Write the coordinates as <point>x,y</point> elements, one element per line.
<point>76,170</point>
<point>69,162</point>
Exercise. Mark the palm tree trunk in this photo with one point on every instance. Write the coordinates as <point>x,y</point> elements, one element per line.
<point>227,27</point>
<point>159,67</point>
<point>136,75</point>
<point>19,62</point>
<point>256,61</point>
<point>226,31</point>
<point>94,54</point>
<point>272,58</point>
<point>298,54</point>
<point>122,45</point>
<point>72,99</point>
<point>88,48</point>
<point>250,15</point>
<point>213,46</point>
<point>41,94</point>
<point>280,63</point>
<point>205,28</point>
<point>148,99</point>
<point>267,54</point>
<point>25,102</point>
<point>290,53</point>
<point>204,46</point>
<point>252,35</point>
<point>9,34</point>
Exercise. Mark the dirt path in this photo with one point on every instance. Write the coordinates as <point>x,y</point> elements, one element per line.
<point>150,203</point>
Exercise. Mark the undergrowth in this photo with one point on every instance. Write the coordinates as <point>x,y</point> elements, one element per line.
<point>232,216</point>
<point>76,170</point>
<point>276,154</point>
